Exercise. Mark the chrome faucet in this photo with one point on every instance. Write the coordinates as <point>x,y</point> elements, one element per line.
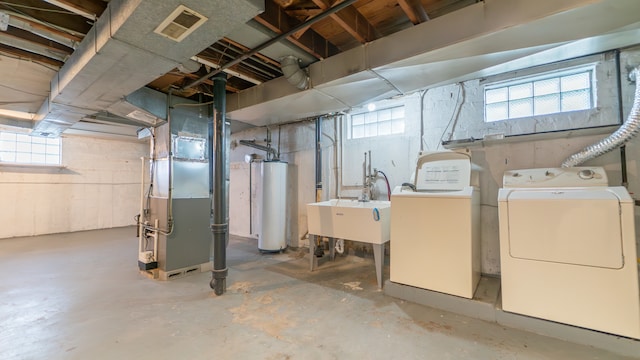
<point>368,179</point>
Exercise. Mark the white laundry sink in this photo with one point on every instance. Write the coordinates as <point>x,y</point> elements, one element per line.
<point>351,220</point>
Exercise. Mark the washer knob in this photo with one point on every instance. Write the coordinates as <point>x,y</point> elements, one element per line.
<point>586,174</point>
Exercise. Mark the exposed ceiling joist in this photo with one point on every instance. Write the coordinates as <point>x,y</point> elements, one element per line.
<point>87,9</point>
<point>273,41</point>
<point>277,20</point>
<point>45,27</point>
<point>231,72</point>
<point>439,8</point>
<point>49,33</point>
<point>29,36</point>
<point>30,56</point>
<point>352,21</point>
<point>49,14</point>
<point>9,39</point>
<point>266,59</point>
<point>220,53</point>
<point>414,10</point>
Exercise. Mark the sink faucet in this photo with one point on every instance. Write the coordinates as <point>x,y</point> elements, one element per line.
<point>368,179</point>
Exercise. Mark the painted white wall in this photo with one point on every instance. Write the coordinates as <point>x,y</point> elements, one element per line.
<point>443,107</point>
<point>98,187</point>
<point>297,148</point>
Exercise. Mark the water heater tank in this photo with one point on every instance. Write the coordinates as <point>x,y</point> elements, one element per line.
<point>273,206</point>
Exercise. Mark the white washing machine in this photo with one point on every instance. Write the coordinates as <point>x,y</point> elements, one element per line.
<point>567,249</point>
<point>435,237</point>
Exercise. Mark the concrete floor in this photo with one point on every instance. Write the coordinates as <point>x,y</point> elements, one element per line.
<point>80,296</point>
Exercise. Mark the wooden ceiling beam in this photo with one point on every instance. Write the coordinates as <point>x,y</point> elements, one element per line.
<point>9,39</point>
<point>351,20</point>
<point>88,9</point>
<point>37,39</point>
<point>266,59</point>
<point>277,20</point>
<point>233,71</point>
<point>44,31</point>
<point>48,14</point>
<point>414,11</point>
<point>29,56</point>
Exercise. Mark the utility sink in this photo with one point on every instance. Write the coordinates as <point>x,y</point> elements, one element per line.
<point>351,220</point>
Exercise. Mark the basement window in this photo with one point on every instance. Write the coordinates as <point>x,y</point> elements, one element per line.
<point>25,149</point>
<point>543,94</point>
<point>376,123</point>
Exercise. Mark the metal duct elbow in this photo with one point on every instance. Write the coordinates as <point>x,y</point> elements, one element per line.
<point>292,72</point>
<point>626,132</point>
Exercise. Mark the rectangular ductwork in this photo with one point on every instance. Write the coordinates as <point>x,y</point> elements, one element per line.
<point>123,52</point>
<point>479,40</point>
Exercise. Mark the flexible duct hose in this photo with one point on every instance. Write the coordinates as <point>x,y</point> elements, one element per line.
<point>626,132</point>
<point>292,72</point>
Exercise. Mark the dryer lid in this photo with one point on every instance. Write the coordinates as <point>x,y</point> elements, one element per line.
<point>578,227</point>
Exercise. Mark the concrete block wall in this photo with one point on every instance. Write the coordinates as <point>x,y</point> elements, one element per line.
<point>97,187</point>
<point>297,148</point>
<point>450,112</point>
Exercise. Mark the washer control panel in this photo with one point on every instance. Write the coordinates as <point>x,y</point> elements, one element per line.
<point>555,177</point>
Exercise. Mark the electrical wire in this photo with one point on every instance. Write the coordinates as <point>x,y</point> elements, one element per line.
<point>459,107</point>
<point>453,115</point>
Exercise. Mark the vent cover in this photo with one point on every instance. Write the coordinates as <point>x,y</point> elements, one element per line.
<point>182,22</point>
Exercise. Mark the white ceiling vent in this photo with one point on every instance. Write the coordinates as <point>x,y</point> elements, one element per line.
<point>182,22</point>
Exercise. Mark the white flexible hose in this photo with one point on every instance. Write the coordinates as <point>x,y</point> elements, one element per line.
<point>626,132</point>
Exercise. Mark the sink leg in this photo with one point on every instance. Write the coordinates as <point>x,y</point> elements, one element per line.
<point>312,251</point>
<point>332,248</point>
<point>378,258</point>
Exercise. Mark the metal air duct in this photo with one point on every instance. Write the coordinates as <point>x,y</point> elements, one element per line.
<point>628,130</point>
<point>297,77</point>
<point>130,45</point>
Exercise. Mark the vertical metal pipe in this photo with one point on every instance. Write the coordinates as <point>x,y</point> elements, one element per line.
<point>318,158</point>
<point>250,196</point>
<point>219,191</point>
<point>424,92</point>
<point>623,148</point>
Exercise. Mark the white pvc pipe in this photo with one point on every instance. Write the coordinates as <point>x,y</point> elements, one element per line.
<point>140,217</point>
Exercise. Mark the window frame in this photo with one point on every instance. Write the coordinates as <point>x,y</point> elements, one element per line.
<point>50,149</point>
<point>532,79</point>
<point>376,113</point>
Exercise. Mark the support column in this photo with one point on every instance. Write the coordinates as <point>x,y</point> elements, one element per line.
<point>218,188</point>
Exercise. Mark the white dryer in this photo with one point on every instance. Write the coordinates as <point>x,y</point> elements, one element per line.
<point>567,249</point>
<point>435,239</point>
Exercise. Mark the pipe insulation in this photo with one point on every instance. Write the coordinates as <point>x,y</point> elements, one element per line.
<point>291,70</point>
<point>626,132</point>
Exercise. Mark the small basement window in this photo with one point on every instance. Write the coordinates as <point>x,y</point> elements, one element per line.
<point>376,123</point>
<point>543,94</point>
<point>29,150</point>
